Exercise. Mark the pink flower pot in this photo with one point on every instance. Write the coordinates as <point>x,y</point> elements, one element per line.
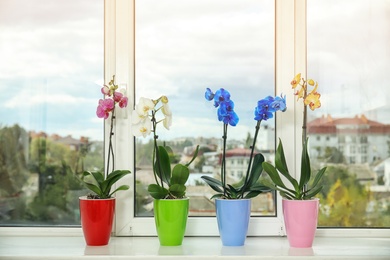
<point>97,216</point>
<point>300,219</point>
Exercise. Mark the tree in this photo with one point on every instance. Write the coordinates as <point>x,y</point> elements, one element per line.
<point>13,160</point>
<point>344,200</point>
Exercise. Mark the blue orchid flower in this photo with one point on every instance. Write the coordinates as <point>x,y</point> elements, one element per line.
<point>267,106</point>
<point>279,103</point>
<point>225,106</point>
<point>209,95</point>
<point>221,95</point>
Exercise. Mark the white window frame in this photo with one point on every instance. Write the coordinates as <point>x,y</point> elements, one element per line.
<point>290,58</point>
<point>121,61</point>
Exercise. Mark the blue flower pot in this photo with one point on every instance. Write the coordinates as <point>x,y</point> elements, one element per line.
<point>233,220</point>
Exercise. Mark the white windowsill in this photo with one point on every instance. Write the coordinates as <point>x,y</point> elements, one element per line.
<point>74,247</point>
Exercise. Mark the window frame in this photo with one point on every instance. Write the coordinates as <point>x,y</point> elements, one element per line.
<point>290,58</point>
<point>122,12</point>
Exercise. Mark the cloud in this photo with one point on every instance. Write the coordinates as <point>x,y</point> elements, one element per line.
<point>55,57</point>
<point>27,101</point>
<point>182,50</point>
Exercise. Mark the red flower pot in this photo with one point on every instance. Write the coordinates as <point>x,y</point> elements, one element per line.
<point>97,216</point>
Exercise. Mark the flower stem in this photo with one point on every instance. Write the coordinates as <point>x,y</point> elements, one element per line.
<point>156,157</point>
<point>257,128</point>
<point>223,163</point>
<point>110,146</point>
<point>304,127</point>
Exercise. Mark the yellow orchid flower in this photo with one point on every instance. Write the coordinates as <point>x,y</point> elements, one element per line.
<point>296,80</point>
<point>313,100</point>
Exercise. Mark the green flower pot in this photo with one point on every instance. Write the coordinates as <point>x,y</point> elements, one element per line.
<point>170,216</point>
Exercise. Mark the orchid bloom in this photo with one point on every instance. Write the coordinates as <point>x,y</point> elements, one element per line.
<point>107,105</point>
<point>220,96</point>
<point>120,99</point>
<point>313,98</point>
<point>143,115</point>
<point>296,80</point>
<point>104,108</point>
<point>267,106</point>
<point>166,110</point>
<point>225,106</point>
<point>143,127</point>
<point>144,106</point>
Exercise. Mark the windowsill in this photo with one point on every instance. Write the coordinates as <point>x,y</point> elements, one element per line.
<point>27,247</point>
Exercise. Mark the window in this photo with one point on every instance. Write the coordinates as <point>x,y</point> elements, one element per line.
<point>289,57</point>
<point>52,53</point>
<point>348,54</point>
<point>179,52</point>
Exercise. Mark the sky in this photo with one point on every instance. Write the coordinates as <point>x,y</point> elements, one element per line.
<point>52,61</point>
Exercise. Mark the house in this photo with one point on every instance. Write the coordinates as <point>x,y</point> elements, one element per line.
<point>359,139</point>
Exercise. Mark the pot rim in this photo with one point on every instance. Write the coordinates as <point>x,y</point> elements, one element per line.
<point>186,198</point>
<point>301,201</point>
<point>85,198</point>
<point>232,199</point>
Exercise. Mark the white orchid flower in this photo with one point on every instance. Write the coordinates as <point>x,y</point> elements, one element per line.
<point>165,106</point>
<point>142,128</point>
<point>167,122</point>
<point>137,118</point>
<point>144,106</point>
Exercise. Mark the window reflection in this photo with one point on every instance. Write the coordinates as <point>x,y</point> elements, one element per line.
<point>348,55</point>
<point>52,60</point>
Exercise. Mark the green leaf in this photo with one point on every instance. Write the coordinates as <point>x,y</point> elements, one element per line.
<point>91,183</point>
<point>157,191</point>
<point>122,187</point>
<point>281,165</point>
<point>180,174</point>
<point>273,174</point>
<point>287,195</point>
<point>177,190</point>
<point>168,149</point>
<point>92,177</point>
<point>282,190</point>
<point>318,177</point>
<point>213,183</point>
<point>193,157</point>
<point>99,177</point>
<point>257,169</point>
<point>163,165</point>
<point>112,178</point>
<point>232,193</point>
<point>94,188</point>
<point>260,187</point>
<point>305,167</point>
<point>252,194</point>
<point>312,192</point>
<point>217,196</point>
<point>280,159</point>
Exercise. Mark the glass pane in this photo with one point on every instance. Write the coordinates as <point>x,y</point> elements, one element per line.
<point>349,55</point>
<point>183,47</point>
<point>52,59</point>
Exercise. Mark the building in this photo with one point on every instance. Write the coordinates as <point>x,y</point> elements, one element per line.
<point>358,139</point>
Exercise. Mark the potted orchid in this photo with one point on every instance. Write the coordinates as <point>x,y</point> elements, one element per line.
<point>299,204</point>
<point>97,208</point>
<point>169,191</point>
<point>233,205</point>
